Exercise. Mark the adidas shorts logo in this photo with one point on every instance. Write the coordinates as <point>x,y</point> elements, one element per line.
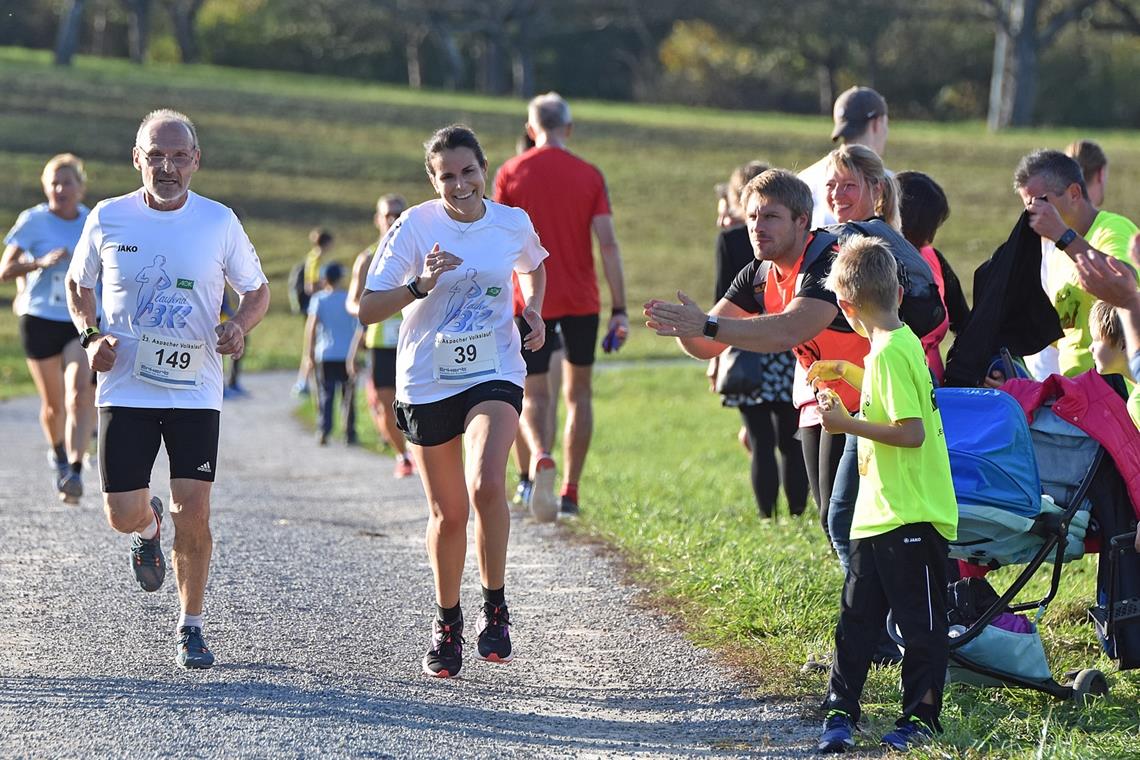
<point>204,467</point>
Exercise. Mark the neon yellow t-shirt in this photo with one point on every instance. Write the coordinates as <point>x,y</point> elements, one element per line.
<point>1133,402</point>
<point>1110,234</point>
<point>902,486</point>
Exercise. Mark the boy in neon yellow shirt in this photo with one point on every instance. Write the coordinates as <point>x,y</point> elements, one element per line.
<point>1110,352</point>
<point>905,513</point>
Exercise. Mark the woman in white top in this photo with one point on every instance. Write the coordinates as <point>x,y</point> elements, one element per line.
<point>447,264</point>
<point>38,248</point>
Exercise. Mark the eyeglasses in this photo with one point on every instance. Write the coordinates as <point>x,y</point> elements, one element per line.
<point>158,160</point>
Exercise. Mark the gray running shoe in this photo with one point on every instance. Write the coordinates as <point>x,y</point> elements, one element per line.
<point>147,561</point>
<point>70,487</point>
<point>192,652</point>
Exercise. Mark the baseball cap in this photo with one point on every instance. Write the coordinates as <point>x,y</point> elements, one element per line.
<point>853,109</point>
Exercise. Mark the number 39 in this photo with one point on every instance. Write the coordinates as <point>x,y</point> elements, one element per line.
<point>465,354</point>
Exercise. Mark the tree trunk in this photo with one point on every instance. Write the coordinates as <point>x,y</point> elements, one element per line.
<point>453,73</point>
<point>138,28</point>
<point>184,18</point>
<point>67,39</point>
<point>412,41</point>
<point>1013,92</point>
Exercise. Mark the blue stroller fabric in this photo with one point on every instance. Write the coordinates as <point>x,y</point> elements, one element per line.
<point>992,459</point>
<point>1021,654</point>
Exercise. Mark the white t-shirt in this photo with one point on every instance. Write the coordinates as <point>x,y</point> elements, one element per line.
<point>815,177</point>
<point>38,231</point>
<point>463,333</point>
<point>1048,360</point>
<point>164,275</point>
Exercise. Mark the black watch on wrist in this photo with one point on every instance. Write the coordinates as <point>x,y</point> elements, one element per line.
<point>416,292</point>
<point>712,324</point>
<point>1066,239</point>
<point>88,335</point>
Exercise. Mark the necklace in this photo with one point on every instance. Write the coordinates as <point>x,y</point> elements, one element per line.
<point>462,227</point>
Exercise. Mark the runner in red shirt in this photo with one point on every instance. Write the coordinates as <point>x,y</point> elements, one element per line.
<point>566,199</point>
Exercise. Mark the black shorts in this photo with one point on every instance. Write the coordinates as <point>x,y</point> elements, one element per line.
<point>439,421</point>
<point>129,438</point>
<point>579,337</point>
<point>45,338</point>
<point>384,368</point>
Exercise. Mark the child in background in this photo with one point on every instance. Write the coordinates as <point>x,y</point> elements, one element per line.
<point>331,338</point>
<point>304,282</point>
<point>1110,354</point>
<point>905,514</point>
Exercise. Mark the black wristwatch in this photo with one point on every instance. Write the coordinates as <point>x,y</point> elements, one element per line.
<point>411,286</point>
<point>88,335</point>
<point>1066,239</point>
<point>711,326</point>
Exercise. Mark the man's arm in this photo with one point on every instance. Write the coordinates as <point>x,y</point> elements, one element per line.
<point>603,227</point>
<point>252,306</point>
<point>356,285</point>
<point>803,319</point>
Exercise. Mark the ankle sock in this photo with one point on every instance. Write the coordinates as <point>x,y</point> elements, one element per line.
<point>494,597</point>
<point>151,530</point>
<point>449,615</point>
<point>570,491</point>
<point>77,467</point>
<point>60,452</point>
<point>195,621</point>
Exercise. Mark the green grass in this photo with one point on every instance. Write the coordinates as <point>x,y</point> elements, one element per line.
<point>292,152</point>
<point>666,482</point>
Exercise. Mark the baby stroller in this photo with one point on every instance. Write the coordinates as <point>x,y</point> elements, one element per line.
<point>1023,494</point>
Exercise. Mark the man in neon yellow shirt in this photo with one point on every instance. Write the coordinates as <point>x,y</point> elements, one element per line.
<point>1053,190</point>
<point>905,513</point>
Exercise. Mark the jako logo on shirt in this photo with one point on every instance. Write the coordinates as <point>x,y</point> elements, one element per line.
<point>128,248</point>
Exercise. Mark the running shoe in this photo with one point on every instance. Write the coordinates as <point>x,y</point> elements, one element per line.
<point>70,487</point>
<point>494,628</point>
<point>569,507</point>
<point>911,733</point>
<point>445,657</point>
<point>404,468</point>
<point>838,733</point>
<point>192,652</point>
<point>146,554</point>
<point>521,498</point>
<point>543,502</point>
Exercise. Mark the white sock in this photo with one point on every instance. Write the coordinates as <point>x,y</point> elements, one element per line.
<point>150,531</point>
<point>195,621</point>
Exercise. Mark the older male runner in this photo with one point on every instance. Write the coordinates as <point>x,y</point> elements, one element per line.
<point>164,255</point>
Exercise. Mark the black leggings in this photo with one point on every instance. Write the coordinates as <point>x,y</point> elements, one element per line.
<point>822,452</point>
<point>769,425</point>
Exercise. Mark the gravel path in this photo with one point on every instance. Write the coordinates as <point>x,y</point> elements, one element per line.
<point>318,611</point>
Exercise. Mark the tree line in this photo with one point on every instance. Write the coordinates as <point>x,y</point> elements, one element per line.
<point>1013,62</point>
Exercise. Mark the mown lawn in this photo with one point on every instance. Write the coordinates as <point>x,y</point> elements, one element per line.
<point>666,482</point>
<point>291,152</point>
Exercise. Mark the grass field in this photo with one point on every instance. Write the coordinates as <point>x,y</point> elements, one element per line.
<point>666,482</point>
<point>292,152</point>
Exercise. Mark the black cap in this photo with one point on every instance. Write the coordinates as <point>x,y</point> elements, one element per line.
<point>853,109</point>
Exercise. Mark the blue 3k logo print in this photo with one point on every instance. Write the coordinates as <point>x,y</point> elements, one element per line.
<point>154,306</point>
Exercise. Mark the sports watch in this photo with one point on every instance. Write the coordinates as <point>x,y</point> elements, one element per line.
<point>1068,237</point>
<point>711,326</point>
<point>88,335</point>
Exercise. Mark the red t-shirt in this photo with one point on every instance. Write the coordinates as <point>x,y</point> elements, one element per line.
<point>562,194</point>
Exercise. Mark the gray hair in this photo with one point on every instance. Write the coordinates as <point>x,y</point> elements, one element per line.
<point>1054,167</point>
<point>549,111</point>
<point>164,115</point>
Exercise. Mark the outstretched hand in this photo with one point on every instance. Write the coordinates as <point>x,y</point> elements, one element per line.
<point>679,320</point>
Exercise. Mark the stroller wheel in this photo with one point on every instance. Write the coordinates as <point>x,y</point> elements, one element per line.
<point>1089,683</point>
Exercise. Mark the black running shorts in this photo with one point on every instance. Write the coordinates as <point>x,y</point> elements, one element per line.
<point>440,421</point>
<point>384,368</point>
<point>579,337</point>
<point>129,438</point>
<point>45,338</point>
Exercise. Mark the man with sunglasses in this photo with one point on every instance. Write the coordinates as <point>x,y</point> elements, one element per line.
<point>164,255</point>
<point>1053,190</point>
